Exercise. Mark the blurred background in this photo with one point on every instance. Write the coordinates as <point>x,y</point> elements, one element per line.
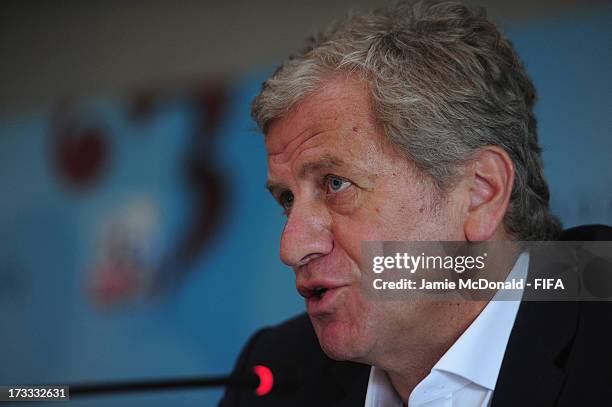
<point>136,237</point>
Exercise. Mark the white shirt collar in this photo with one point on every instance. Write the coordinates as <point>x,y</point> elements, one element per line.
<point>478,353</point>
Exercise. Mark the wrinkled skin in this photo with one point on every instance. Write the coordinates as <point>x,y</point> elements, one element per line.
<point>341,183</point>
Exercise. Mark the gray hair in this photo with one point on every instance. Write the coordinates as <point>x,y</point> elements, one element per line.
<point>444,83</point>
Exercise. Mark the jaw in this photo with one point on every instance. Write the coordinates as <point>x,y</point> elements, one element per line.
<point>344,338</point>
<point>337,340</point>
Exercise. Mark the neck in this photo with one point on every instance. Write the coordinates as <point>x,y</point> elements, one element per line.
<point>421,352</point>
<point>416,345</point>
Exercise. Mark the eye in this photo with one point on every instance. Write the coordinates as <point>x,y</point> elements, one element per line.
<point>336,184</point>
<point>286,199</point>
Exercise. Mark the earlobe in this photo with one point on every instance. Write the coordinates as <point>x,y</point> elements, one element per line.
<point>491,178</point>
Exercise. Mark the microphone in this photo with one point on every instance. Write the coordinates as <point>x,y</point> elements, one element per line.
<point>260,379</point>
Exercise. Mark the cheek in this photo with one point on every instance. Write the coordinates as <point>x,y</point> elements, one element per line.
<point>386,221</point>
<point>349,333</point>
<point>348,236</point>
<point>349,233</point>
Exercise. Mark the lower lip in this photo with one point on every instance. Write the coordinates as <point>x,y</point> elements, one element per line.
<point>317,306</point>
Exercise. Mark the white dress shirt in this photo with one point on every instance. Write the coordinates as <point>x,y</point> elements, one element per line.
<point>466,374</point>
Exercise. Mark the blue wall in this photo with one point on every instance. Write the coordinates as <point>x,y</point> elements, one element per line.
<point>50,235</point>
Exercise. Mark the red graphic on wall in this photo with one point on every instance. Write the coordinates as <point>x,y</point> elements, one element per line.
<point>124,274</point>
<point>80,149</point>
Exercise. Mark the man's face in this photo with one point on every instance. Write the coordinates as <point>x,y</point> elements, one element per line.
<point>341,183</point>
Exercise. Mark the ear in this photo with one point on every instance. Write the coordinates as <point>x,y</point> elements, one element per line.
<point>491,176</point>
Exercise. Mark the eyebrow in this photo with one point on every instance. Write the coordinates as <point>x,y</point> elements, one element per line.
<point>325,162</point>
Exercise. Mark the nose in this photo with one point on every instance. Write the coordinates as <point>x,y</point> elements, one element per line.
<point>307,234</point>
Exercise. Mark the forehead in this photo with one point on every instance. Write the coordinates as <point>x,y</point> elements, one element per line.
<point>339,113</point>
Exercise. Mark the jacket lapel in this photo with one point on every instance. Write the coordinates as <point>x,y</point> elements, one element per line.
<point>331,383</point>
<point>353,380</point>
<point>530,373</point>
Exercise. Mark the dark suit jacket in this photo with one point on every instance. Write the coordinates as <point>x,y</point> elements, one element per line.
<point>558,354</point>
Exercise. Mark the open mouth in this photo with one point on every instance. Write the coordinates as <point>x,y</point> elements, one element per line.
<point>314,293</point>
<point>319,292</point>
<point>321,297</point>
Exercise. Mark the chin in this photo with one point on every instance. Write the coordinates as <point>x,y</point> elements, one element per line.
<point>341,340</point>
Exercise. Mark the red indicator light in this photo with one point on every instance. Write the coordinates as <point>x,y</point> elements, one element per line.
<point>266,380</point>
